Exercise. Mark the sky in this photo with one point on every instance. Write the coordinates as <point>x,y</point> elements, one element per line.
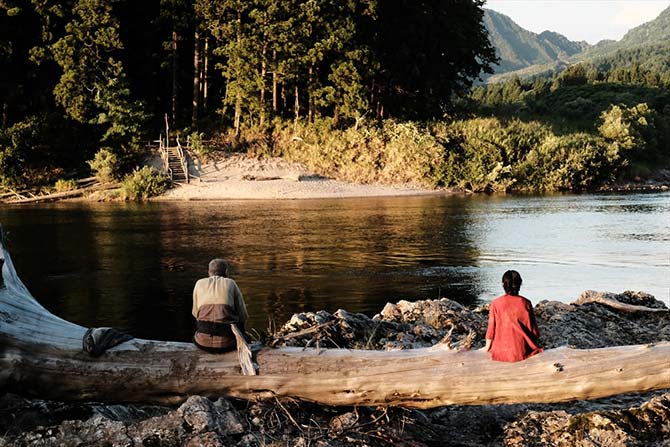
<point>589,20</point>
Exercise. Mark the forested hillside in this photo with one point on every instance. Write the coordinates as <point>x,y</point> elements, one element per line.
<point>653,33</point>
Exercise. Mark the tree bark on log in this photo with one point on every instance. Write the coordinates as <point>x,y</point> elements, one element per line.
<point>41,355</point>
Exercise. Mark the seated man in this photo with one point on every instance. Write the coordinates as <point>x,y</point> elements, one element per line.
<point>217,303</point>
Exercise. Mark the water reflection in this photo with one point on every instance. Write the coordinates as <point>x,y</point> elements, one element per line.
<point>134,266</point>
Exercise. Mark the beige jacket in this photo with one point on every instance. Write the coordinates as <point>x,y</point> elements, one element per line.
<point>217,300</point>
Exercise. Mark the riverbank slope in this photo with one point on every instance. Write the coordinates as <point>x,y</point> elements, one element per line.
<point>245,176</point>
<point>242,176</point>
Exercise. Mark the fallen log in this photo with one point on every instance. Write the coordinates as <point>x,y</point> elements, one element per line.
<point>41,355</point>
<point>66,194</point>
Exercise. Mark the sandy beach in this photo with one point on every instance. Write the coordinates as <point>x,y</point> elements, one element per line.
<point>240,176</point>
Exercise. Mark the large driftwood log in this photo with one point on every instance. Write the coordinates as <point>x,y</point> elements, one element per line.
<point>41,355</point>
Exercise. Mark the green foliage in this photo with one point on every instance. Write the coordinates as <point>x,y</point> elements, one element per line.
<point>105,165</point>
<point>63,185</point>
<point>570,162</point>
<point>28,149</point>
<point>479,154</point>
<point>17,143</point>
<point>607,119</point>
<point>144,183</point>
<point>573,75</point>
<point>344,59</point>
<point>485,152</point>
<point>629,128</point>
<point>393,152</point>
<point>198,147</point>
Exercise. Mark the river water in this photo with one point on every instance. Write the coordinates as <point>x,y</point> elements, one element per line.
<point>133,266</point>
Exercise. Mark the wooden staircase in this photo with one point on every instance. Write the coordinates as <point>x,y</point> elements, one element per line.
<point>175,161</point>
<point>176,166</point>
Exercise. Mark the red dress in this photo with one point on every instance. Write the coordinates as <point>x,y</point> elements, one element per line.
<point>512,329</point>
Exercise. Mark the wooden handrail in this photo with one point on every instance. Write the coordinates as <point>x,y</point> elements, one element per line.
<point>165,157</point>
<point>182,159</point>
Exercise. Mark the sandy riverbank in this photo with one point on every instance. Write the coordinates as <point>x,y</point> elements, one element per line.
<point>240,176</point>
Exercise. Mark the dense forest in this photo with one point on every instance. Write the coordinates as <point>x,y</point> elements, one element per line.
<point>361,90</point>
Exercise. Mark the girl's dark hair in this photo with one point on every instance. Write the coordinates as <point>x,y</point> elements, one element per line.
<point>512,282</point>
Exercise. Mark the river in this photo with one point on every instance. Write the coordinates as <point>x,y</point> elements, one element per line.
<point>133,266</point>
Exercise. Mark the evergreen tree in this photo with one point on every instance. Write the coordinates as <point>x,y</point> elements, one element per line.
<point>92,87</point>
<point>428,50</point>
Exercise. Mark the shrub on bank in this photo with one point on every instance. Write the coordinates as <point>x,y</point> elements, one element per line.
<point>198,146</point>
<point>143,183</point>
<point>63,185</point>
<point>105,165</point>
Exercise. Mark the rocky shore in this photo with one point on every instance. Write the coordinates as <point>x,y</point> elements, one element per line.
<point>631,420</point>
<point>658,180</point>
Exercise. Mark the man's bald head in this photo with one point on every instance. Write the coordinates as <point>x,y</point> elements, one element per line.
<point>218,267</point>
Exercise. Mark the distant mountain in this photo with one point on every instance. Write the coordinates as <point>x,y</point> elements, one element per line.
<point>519,48</point>
<point>655,33</point>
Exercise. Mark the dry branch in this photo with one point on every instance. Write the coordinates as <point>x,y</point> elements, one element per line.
<point>593,297</point>
<point>41,355</point>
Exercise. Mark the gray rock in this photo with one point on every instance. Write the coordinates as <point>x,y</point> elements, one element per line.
<point>595,325</point>
<point>646,425</point>
<point>340,423</point>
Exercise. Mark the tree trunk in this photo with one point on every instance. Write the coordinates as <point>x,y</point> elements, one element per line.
<point>282,87</point>
<point>205,83</point>
<point>310,99</point>
<point>196,78</point>
<point>174,76</point>
<point>296,107</point>
<point>274,82</point>
<point>238,114</point>
<point>41,355</point>
<point>238,94</point>
<point>262,95</point>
